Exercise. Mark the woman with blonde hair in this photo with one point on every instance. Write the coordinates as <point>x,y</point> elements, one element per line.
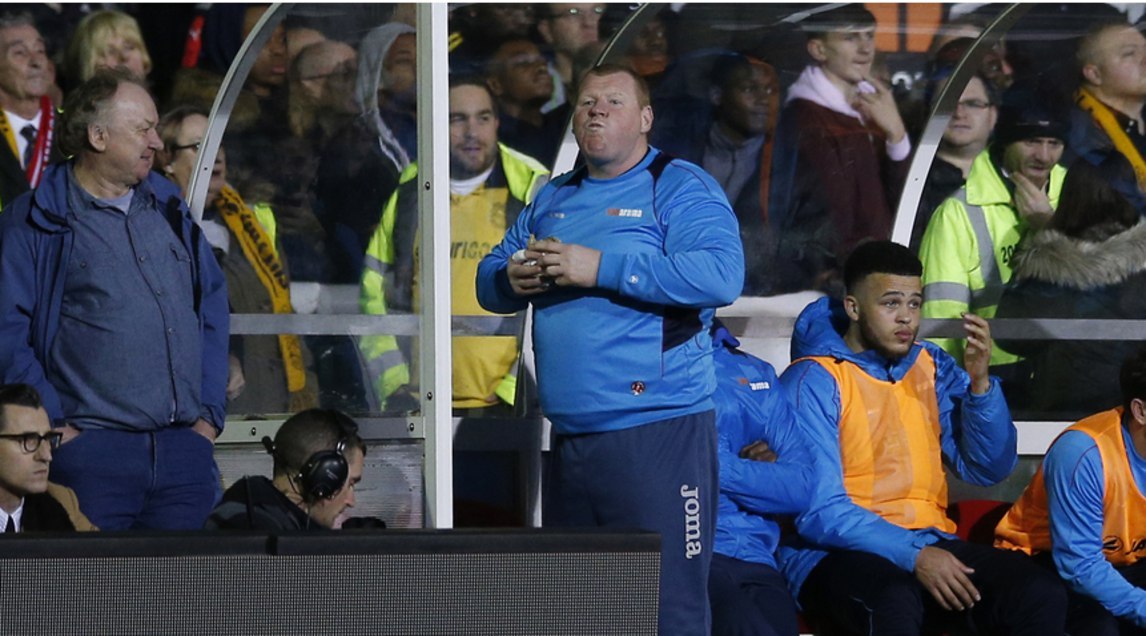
<point>106,39</point>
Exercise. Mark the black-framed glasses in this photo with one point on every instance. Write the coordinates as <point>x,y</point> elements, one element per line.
<point>190,146</point>
<point>576,12</point>
<point>30,442</point>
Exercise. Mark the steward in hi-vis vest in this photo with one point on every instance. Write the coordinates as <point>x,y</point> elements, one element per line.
<point>1012,187</point>
<point>487,191</point>
<point>884,414</point>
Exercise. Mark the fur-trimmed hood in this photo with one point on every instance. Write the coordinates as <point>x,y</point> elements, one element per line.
<point>1051,256</point>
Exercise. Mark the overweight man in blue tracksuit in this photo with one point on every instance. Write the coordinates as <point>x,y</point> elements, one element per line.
<point>765,473</point>
<point>624,261</point>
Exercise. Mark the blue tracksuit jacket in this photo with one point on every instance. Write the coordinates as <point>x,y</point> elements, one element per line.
<point>635,349</point>
<point>751,406</point>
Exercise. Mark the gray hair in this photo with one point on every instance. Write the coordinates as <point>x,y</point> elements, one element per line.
<point>11,20</point>
<point>88,104</point>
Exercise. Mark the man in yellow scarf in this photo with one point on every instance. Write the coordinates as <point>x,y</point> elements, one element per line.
<point>1112,93</point>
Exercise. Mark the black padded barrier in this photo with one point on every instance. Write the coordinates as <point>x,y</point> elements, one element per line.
<point>412,582</point>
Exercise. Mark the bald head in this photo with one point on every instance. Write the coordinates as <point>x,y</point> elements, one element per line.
<point>1094,39</point>
<point>1112,66</point>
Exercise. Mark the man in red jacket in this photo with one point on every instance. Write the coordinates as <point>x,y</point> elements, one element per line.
<point>841,150</point>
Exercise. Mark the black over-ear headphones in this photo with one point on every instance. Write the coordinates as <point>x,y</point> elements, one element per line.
<point>322,475</point>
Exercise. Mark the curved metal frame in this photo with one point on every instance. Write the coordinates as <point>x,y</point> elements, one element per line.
<point>945,105</point>
<point>225,100</point>
<point>435,424</point>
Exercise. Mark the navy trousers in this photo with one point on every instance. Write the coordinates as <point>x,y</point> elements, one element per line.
<point>749,599</point>
<point>660,477</point>
<point>1086,616</point>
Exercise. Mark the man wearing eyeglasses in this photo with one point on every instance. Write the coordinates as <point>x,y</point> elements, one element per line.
<point>567,29</point>
<point>322,78</point>
<point>966,136</point>
<point>1012,189</point>
<point>28,502</point>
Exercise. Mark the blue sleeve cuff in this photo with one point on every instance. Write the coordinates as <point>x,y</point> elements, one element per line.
<point>610,270</point>
<point>501,279</point>
<point>214,417</point>
<point>978,398</point>
<point>910,553</point>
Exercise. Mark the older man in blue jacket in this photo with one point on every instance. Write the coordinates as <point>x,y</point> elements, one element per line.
<point>113,308</point>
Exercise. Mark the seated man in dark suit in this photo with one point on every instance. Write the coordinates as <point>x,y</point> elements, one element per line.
<point>28,503</point>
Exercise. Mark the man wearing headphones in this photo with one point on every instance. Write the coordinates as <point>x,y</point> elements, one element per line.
<point>318,462</point>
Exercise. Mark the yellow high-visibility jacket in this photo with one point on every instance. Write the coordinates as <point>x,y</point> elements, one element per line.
<point>483,365</point>
<point>967,250</point>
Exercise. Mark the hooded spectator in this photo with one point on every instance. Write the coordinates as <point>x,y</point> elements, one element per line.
<point>359,168</point>
<point>385,89</point>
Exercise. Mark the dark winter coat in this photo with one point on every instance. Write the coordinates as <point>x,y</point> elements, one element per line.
<point>1057,276</point>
